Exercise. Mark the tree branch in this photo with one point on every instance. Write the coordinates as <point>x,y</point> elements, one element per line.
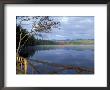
<point>26,35</point>
<point>19,43</point>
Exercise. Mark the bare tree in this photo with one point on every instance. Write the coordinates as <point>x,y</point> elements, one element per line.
<point>38,24</point>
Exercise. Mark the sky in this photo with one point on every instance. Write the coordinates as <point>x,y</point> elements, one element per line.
<point>71,28</point>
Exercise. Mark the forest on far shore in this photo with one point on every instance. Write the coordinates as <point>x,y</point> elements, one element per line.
<point>32,41</point>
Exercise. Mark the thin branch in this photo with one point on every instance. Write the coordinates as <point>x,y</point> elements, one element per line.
<point>29,32</point>
<point>19,43</point>
<point>20,39</point>
<point>25,42</point>
<point>26,35</point>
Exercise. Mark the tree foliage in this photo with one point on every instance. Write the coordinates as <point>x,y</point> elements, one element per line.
<point>38,24</point>
<point>31,41</point>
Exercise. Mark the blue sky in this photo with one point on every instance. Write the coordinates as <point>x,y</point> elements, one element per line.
<point>72,27</point>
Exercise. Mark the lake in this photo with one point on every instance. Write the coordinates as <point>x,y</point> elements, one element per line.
<point>78,56</point>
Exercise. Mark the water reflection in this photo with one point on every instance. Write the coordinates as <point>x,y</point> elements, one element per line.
<point>66,47</point>
<point>28,51</point>
<point>78,56</point>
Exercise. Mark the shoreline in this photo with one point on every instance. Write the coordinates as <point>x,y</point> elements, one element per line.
<point>69,45</point>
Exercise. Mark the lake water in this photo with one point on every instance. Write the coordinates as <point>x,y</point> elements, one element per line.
<point>78,56</point>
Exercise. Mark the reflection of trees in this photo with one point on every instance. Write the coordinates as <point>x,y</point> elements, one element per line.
<point>27,51</point>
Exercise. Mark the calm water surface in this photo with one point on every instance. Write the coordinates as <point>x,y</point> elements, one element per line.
<point>78,55</point>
